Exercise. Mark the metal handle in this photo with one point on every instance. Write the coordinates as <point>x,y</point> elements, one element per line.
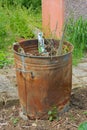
<point>25,71</point>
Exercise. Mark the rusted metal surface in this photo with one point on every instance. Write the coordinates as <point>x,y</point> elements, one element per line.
<point>43,82</point>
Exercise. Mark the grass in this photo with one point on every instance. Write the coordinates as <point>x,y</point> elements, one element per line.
<point>76,33</point>
<point>16,23</point>
<point>4,59</point>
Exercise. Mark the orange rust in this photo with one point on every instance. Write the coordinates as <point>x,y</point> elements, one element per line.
<point>43,82</point>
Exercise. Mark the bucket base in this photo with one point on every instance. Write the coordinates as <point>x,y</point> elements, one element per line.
<point>25,116</point>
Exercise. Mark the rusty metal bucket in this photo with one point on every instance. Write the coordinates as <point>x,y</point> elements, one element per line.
<point>43,82</point>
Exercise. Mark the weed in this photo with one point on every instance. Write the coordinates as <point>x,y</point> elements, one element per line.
<point>85,113</point>
<point>53,114</point>
<point>14,120</point>
<point>83,126</point>
<point>72,117</point>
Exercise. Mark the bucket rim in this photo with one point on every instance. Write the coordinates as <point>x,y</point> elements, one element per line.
<point>43,57</point>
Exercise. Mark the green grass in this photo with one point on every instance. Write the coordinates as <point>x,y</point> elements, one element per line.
<point>16,23</point>
<point>6,58</point>
<point>76,33</point>
<point>34,4</point>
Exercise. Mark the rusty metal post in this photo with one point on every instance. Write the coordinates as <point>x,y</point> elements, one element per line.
<point>52,17</point>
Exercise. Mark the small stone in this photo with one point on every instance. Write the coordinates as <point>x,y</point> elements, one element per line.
<point>34,124</point>
<point>24,117</point>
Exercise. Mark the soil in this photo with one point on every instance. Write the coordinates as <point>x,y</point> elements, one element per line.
<point>11,120</point>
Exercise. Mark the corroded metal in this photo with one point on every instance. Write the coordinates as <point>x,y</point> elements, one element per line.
<point>43,82</point>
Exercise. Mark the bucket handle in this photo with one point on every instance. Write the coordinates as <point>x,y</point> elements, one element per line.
<point>25,71</point>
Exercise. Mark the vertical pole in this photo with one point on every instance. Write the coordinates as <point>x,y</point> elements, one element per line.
<point>52,17</point>
<point>46,17</point>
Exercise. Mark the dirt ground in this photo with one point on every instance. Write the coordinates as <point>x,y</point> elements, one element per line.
<point>10,119</point>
